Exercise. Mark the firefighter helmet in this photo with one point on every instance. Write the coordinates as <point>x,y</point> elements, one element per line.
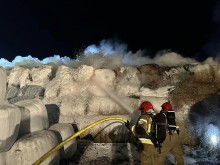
<point>166,106</point>
<point>146,106</point>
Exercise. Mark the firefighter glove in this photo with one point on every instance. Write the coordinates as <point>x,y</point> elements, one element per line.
<point>127,123</point>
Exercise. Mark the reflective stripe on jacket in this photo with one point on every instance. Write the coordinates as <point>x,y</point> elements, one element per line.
<point>145,123</point>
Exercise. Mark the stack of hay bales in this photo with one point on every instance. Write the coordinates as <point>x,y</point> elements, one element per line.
<point>25,131</point>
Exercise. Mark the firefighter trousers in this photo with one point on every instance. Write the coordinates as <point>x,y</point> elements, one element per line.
<point>151,156</point>
<point>173,144</point>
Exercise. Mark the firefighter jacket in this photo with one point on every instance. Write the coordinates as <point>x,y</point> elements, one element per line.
<point>143,128</point>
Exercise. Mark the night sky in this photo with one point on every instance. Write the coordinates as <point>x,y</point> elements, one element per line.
<point>43,28</point>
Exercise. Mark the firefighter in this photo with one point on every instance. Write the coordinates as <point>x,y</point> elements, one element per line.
<point>173,143</point>
<point>143,131</point>
<point>167,109</point>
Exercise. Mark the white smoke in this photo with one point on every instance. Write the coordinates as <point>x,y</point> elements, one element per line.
<point>30,62</point>
<point>117,48</point>
<point>172,59</point>
<point>108,54</point>
<point>109,48</point>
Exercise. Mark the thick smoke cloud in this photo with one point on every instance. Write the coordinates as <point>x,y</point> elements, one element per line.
<point>204,116</point>
<point>29,61</point>
<point>108,48</point>
<point>107,54</point>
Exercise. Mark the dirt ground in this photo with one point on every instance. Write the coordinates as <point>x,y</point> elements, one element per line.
<point>90,153</point>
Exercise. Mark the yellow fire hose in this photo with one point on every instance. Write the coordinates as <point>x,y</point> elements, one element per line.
<point>45,156</point>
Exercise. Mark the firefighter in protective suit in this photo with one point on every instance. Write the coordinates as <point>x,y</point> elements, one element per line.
<point>142,131</point>
<point>172,142</point>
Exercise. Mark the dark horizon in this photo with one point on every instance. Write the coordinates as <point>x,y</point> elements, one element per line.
<point>43,28</point>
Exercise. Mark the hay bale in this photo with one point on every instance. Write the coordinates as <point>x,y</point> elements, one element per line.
<point>31,147</point>
<point>64,131</point>
<point>10,117</point>
<point>33,116</point>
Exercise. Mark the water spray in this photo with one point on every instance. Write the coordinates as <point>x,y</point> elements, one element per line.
<point>117,99</point>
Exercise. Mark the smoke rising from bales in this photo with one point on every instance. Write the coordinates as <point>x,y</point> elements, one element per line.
<point>108,54</point>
